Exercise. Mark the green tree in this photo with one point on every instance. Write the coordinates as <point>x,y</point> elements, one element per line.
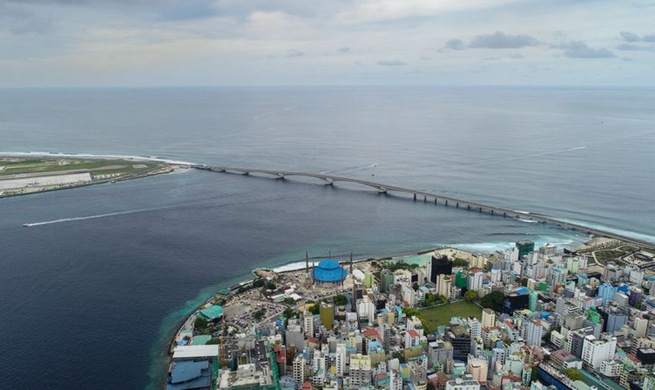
<point>430,300</point>
<point>470,295</point>
<point>573,374</point>
<point>258,283</point>
<point>340,300</point>
<point>494,301</point>
<point>415,286</point>
<point>259,314</point>
<point>399,356</point>
<point>460,262</point>
<point>200,324</point>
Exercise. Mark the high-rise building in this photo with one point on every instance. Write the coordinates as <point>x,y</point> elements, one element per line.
<point>477,368</point>
<point>340,359</point>
<point>488,318</point>
<point>476,328</point>
<point>366,309</point>
<point>308,321</point>
<point>360,369</point>
<point>524,247</point>
<point>440,265</point>
<point>475,278</point>
<point>396,380</point>
<point>300,368</point>
<point>534,333</point>
<point>532,305</point>
<point>326,312</point>
<point>596,350</point>
<point>444,285</point>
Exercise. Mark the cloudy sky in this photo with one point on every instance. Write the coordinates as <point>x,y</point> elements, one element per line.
<point>332,42</point>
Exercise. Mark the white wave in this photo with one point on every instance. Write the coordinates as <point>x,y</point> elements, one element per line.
<point>291,267</point>
<point>626,233</point>
<point>527,220</point>
<point>351,169</point>
<point>529,156</point>
<point>491,247</point>
<point>96,156</point>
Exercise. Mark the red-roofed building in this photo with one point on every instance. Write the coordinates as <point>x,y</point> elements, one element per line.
<point>412,338</point>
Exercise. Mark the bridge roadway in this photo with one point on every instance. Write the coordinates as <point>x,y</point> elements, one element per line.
<point>446,200</point>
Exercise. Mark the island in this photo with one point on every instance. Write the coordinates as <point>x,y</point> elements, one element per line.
<point>525,317</point>
<point>21,175</point>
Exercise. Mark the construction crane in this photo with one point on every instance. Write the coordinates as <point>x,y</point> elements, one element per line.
<point>222,351</point>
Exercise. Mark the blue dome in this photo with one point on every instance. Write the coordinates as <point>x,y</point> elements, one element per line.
<point>328,264</point>
<point>329,271</point>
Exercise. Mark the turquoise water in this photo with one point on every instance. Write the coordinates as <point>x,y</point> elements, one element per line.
<point>114,288</point>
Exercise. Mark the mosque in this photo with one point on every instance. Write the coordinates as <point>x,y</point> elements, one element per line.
<point>329,271</point>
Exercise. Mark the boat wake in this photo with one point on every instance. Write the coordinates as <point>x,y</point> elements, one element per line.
<point>33,224</point>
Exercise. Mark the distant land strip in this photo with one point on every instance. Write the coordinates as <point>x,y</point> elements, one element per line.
<point>433,198</point>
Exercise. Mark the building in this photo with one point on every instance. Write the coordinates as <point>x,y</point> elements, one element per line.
<point>300,368</point>
<point>475,279</point>
<point>440,265</point>
<point>326,312</point>
<point>488,318</point>
<point>308,322</point>
<point>460,384</point>
<point>329,271</point>
<point>477,368</point>
<point>524,248</point>
<point>596,350</point>
<point>534,333</point>
<point>360,369</point>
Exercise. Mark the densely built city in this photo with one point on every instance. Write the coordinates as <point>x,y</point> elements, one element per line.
<point>526,317</point>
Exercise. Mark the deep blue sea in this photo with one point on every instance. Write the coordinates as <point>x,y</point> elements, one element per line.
<point>92,303</point>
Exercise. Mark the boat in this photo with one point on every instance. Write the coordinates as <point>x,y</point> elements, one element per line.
<point>26,225</point>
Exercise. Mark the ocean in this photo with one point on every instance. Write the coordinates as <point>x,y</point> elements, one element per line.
<point>91,297</point>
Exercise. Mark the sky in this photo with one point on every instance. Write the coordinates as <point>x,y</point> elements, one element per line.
<point>86,43</point>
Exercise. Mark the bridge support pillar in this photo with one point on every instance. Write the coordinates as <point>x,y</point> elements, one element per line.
<point>504,215</point>
<point>414,196</point>
<point>457,205</point>
<point>425,198</point>
<point>435,200</point>
<point>480,210</point>
<point>492,212</point>
<point>446,204</point>
<point>468,207</point>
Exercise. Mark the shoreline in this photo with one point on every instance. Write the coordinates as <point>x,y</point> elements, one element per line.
<point>163,167</point>
<point>185,324</point>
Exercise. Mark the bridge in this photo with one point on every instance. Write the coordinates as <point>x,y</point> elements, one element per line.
<point>432,198</point>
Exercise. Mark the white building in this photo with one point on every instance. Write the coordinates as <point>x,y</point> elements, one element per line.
<point>595,351</point>
<point>300,369</point>
<point>488,318</point>
<point>474,281</point>
<point>366,309</point>
<point>444,285</point>
<point>340,359</point>
<point>308,322</point>
<point>395,380</point>
<point>533,333</point>
<point>460,384</point>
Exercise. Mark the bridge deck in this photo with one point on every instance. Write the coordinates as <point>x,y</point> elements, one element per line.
<point>461,203</point>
